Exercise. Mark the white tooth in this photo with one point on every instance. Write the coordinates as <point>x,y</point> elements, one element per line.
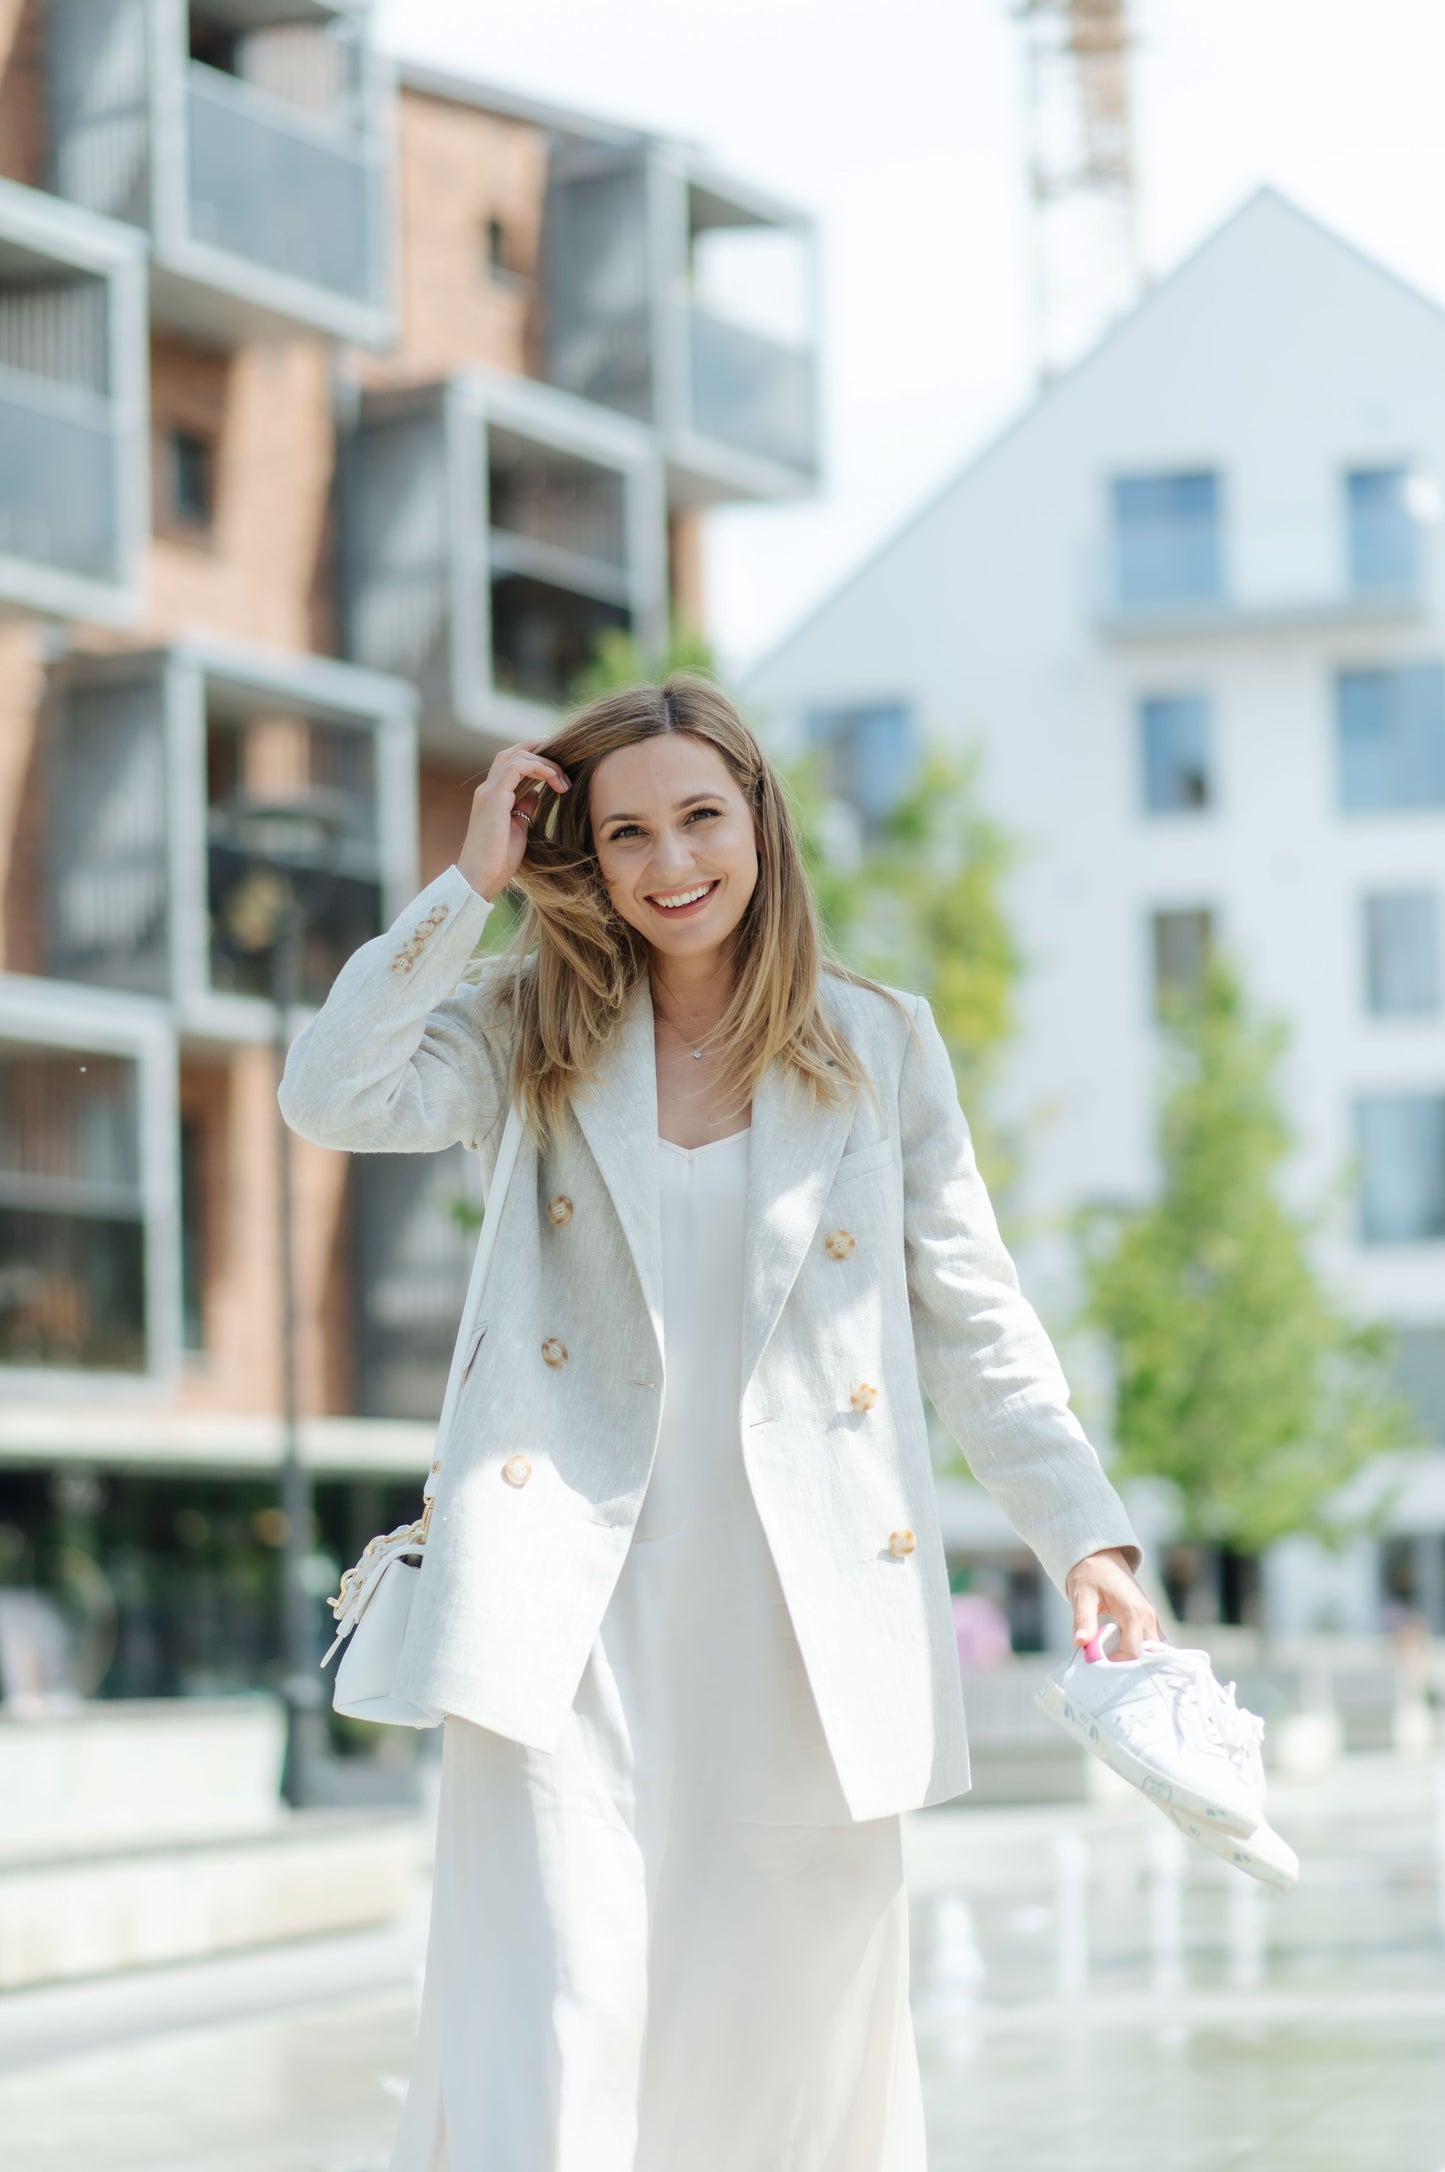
<point>670,904</point>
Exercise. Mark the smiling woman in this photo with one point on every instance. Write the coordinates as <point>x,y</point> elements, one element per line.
<point>684,1602</point>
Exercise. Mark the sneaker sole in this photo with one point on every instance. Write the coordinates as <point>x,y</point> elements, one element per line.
<point>1242,1853</point>
<point>1161,1787</point>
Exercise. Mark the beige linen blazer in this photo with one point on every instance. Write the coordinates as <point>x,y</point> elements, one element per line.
<point>873,1262</point>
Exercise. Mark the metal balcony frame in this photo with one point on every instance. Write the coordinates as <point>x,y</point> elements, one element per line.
<point>66,1015</point>
<point>314,686</point>
<point>706,470</point>
<point>702,470</point>
<point>468,405</point>
<point>214,294</point>
<point>80,240</point>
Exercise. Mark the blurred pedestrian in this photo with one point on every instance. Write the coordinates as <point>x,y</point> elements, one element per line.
<point>684,1599</point>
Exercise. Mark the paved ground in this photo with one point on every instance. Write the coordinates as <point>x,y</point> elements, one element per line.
<point>1088,1995</point>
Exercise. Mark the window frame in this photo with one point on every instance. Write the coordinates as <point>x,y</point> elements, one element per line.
<point>78,1020</point>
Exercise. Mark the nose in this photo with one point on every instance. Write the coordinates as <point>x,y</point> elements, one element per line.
<point>671,869</point>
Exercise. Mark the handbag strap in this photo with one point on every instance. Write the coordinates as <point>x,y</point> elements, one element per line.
<point>496,1195</point>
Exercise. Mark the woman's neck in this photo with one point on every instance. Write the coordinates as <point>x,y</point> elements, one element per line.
<point>693,998</point>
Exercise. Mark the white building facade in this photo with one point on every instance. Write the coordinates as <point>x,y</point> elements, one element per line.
<point>1191,608</point>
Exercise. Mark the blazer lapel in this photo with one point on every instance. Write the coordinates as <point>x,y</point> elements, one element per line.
<point>792,1157</point>
<point>618,1115</point>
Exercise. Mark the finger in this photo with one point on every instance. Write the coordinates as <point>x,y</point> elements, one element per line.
<point>1086,1614</point>
<point>1132,1622</point>
<point>534,765</point>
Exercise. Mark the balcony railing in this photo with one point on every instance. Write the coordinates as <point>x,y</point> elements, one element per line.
<point>1292,577</point>
<point>751,393</point>
<point>57,476</point>
<point>268,183</point>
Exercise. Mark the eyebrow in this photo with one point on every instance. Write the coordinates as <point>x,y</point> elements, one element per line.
<point>677,806</point>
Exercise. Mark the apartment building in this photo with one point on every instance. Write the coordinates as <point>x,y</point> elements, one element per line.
<point>342,407</point>
<point>1191,608</point>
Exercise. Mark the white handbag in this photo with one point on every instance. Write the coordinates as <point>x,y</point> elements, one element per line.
<point>374,1601</point>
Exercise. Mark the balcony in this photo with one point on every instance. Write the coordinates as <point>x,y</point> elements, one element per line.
<point>493,530</point>
<point>249,138</point>
<point>73,491</point>
<point>146,889</point>
<point>1171,565</point>
<point>679,298</point>
<point>89,1290</point>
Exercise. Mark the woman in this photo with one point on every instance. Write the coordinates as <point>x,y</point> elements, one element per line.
<point>684,1599</point>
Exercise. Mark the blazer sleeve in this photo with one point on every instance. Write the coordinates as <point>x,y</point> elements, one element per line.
<point>395,1061</point>
<point>990,1370</point>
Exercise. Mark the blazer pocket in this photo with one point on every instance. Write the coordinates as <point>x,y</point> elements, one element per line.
<point>865,1158</point>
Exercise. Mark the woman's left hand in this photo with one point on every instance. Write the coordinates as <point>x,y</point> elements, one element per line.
<point>1104,1583</point>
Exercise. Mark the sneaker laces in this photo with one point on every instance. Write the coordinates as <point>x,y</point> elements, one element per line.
<point>1211,1718</point>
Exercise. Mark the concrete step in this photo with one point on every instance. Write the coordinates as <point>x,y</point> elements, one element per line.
<point>302,1874</point>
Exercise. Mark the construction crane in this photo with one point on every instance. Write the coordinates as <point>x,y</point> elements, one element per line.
<point>1087,265</point>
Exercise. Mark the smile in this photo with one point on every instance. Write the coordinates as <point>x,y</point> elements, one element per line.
<point>686,901</point>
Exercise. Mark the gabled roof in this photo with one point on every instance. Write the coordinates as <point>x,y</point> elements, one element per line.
<point>1265,199</point>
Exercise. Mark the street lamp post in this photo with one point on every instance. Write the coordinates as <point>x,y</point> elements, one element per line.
<point>264,913</point>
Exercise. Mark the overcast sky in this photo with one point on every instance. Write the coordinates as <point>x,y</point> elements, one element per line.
<point>899,124</point>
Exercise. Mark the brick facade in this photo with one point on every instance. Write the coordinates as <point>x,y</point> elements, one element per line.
<point>22,92</point>
<point>262,568</point>
<point>458,171</point>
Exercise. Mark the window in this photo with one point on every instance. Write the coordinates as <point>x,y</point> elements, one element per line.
<point>875,755</point>
<point>1392,738</point>
<point>1401,968</point>
<point>1383,537</point>
<point>1177,753</point>
<point>1166,539</point>
<point>72,1233</point>
<point>1182,940</point>
<point>190,478</point>
<point>1401,1142</point>
<point>1420,1374</point>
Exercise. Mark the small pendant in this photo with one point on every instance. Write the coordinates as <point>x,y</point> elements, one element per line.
<point>697,1052</point>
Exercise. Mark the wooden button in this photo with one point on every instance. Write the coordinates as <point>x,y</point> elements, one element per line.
<point>839,1243</point>
<point>901,1543</point>
<point>554,1352</point>
<point>559,1209</point>
<point>864,1396</point>
<point>516,1470</point>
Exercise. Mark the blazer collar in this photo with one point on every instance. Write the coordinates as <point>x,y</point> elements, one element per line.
<point>792,1156</point>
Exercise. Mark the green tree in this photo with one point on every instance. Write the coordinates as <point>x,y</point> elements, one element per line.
<point>618,659</point>
<point>1238,1376</point>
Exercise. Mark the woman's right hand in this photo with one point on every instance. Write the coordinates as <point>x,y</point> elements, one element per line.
<point>501,805</point>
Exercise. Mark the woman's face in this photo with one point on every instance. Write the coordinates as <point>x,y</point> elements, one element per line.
<point>667,820</point>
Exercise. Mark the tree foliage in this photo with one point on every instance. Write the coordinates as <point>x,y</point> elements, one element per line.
<point>919,904</point>
<point>1238,1377</point>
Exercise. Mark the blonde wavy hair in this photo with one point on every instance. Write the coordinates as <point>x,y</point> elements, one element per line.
<point>564,982</point>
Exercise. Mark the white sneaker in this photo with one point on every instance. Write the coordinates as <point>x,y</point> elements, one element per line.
<point>1164,1723</point>
<point>1262,1853</point>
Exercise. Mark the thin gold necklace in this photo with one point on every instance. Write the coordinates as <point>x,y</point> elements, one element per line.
<point>684,1036</point>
